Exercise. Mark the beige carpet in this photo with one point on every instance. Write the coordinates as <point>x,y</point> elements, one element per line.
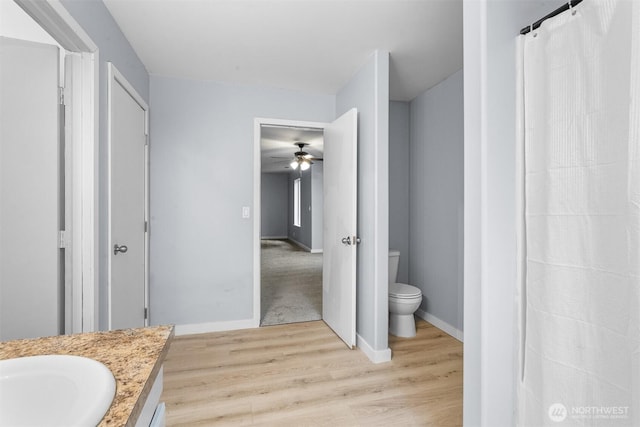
<point>291,284</point>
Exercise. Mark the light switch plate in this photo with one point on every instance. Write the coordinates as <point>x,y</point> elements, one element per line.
<point>245,212</point>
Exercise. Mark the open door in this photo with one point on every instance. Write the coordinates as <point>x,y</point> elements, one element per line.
<point>340,226</point>
<point>31,191</point>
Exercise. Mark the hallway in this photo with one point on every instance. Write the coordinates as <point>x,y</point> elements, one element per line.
<point>291,281</point>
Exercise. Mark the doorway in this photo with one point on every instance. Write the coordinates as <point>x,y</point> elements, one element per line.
<point>339,225</point>
<point>291,211</point>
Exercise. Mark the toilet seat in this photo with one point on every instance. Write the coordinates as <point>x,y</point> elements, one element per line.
<point>404,291</point>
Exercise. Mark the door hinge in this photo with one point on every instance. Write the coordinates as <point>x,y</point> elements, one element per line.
<point>61,95</point>
<point>146,313</point>
<point>146,226</point>
<point>62,239</point>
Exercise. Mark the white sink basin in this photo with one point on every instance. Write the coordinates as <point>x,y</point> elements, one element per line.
<point>54,390</point>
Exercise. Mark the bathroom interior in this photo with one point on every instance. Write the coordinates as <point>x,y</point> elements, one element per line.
<point>420,130</point>
<point>441,181</point>
<point>170,110</point>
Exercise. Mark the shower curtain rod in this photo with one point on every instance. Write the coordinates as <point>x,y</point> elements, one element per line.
<point>558,11</point>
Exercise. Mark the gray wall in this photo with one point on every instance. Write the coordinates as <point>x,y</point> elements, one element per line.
<point>436,194</point>
<point>399,185</point>
<point>113,47</point>
<point>368,91</point>
<point>491,28</point>
<point>201,248</point>
<point>317,177</point>
<point>274,198</point>
<point>309,234</point>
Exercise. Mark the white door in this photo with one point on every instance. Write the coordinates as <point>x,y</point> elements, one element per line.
<point>31,206</point>
<point>128,205</point>
<point>340,190</point>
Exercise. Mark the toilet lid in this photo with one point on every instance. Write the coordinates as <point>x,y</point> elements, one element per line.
<point>402,290</point>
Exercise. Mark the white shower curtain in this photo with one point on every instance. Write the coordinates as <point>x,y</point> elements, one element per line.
<point>579,240</point>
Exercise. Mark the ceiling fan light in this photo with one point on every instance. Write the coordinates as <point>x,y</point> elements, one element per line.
<point>304,165</point>
<point>294,164</point>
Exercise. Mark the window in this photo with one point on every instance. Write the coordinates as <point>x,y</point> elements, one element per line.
<point>296,202</point>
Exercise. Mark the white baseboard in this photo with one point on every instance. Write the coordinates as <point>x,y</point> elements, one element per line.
<point>203,328</point>
<point>274,237</point>
<point>303,246</point>
<point>376,356</point>
<point>440,324</point>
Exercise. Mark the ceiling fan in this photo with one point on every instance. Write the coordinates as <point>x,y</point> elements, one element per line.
<point>301,158</point>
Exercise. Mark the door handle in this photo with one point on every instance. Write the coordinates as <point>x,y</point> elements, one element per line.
<point>347,240</point>
<point>122,249</point>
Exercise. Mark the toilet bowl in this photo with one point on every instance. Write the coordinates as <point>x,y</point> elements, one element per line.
<point>404,300</point>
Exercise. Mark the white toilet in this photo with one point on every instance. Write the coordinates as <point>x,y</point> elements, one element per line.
<point>404,300</point>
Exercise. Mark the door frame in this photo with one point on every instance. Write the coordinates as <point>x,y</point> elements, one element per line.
<point>81,136</point>
<point>116,77</point>
<point>258,122</point>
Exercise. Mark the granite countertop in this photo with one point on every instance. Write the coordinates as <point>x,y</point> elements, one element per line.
<point>134,356</point>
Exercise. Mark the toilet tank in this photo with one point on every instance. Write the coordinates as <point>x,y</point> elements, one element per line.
<point>394,260</point>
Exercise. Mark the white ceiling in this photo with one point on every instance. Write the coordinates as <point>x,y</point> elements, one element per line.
<point>306,45</point>
<point>277,146</point>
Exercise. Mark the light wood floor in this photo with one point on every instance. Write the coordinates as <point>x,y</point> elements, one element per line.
<point>303,375</point>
